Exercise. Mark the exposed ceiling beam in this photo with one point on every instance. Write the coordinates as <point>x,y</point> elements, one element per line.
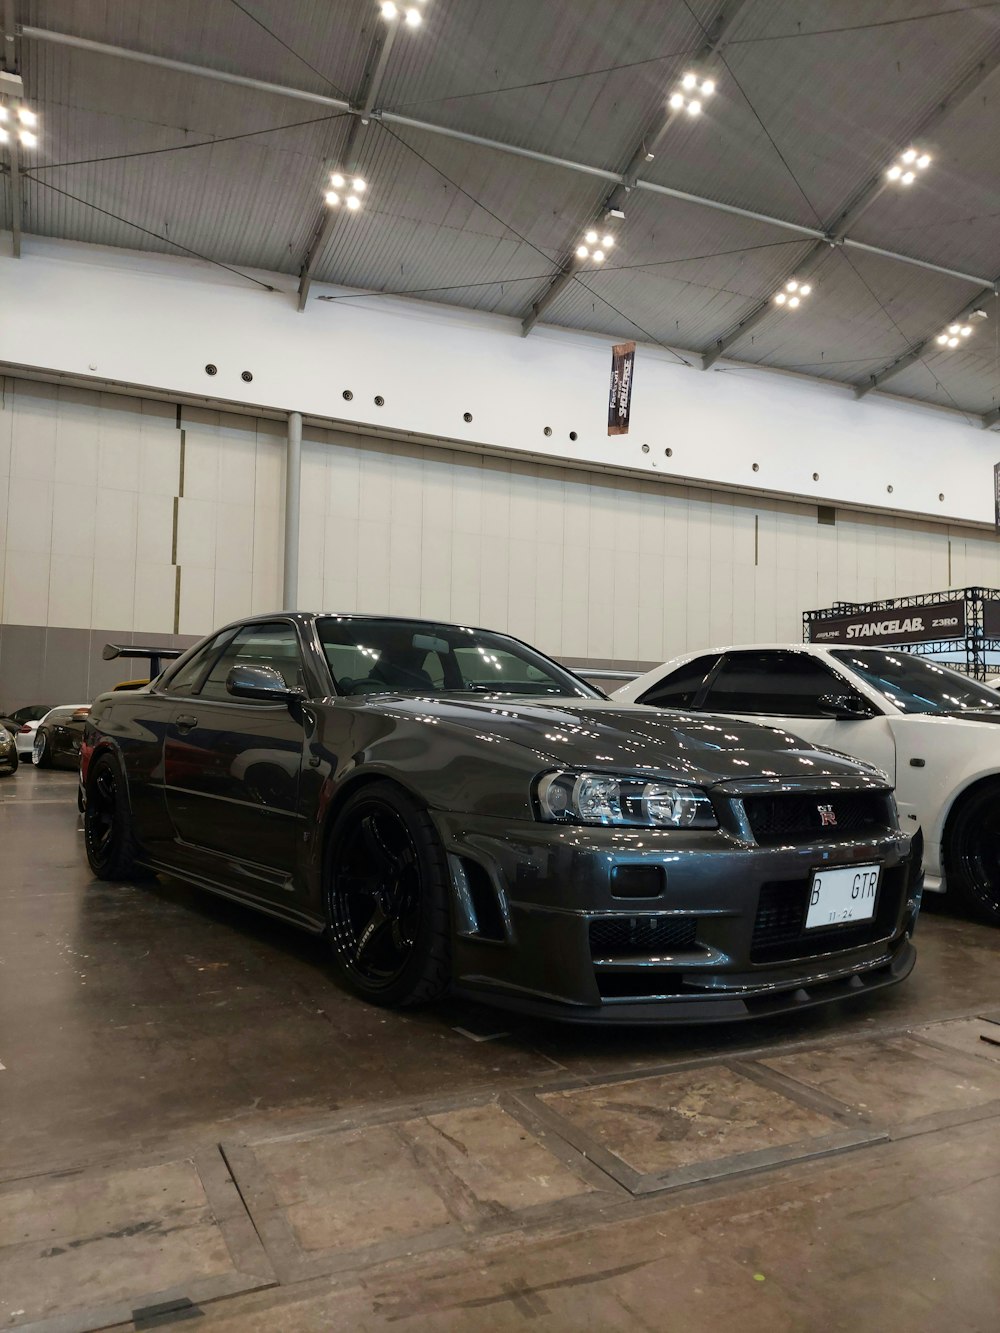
<point>410,122</point>
<point>990,419</point>
<point>917,350</point>
<point>10,62</point>
<point>873,188</point>
<point>643,154</point>
<point>329,217</point>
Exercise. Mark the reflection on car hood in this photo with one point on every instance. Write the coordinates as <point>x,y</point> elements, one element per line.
<point>609,736</point>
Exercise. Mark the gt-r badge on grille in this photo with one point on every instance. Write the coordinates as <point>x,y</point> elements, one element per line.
<point>827,816</point>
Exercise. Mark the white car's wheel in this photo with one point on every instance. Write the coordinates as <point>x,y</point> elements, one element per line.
<point>972,852</point>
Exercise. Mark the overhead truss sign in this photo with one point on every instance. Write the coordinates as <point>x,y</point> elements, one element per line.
<point>910,624</point>
<point>620,397</point>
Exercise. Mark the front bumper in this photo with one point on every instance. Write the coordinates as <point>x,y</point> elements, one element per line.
<point>547,921</point>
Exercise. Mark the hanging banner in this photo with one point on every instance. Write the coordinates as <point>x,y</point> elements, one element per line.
<point>620,397</point>
<point>996,495</point>
<point>911,624</point>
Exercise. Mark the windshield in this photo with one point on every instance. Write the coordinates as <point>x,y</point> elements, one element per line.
<point>369,656</point>
<point>917,686</point>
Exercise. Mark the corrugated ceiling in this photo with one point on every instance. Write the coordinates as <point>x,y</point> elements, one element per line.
<point>812,101</point>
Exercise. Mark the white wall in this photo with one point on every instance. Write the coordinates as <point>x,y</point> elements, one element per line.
<point>155,322</point>
<point>584,565</point>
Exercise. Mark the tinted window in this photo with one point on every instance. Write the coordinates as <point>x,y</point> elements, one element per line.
<point>775,683</point>
<point>369,656</point>
<point>186,676</point>
<point>916,685</point>
<point>275,646</point>
<point>680,688</point>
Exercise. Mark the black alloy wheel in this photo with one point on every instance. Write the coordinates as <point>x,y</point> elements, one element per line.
<point>41,751</point>
<point>388,899</point>
<point>107,822</point>
<point>972,853</point>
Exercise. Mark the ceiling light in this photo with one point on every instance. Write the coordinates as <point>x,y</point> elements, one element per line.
<point>3,113</point>
<point>952,334</point>
<point>607,242</point>
<point>413,18</point>
<point>687,95</point>
<point>28,140</point>
<point>599,256</point>
<point>389,10</point>
<point>591,237</point>
<point>905,168</point>
<point>582,252</point>
<point>344,191</point>
<point>27,117</point>
<point>792,293</point>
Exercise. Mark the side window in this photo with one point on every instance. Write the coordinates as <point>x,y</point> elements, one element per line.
<point>186,678</point>
<point>680,688</point>
<point>778,684</point>
<point>274,646</point>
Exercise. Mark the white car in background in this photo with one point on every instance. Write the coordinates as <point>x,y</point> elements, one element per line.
<point>934,731</point>
<point>28,720</point>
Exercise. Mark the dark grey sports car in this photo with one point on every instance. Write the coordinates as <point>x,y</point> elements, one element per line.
<point>454,809</point>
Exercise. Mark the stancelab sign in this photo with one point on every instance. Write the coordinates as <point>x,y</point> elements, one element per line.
<point>910,624</point>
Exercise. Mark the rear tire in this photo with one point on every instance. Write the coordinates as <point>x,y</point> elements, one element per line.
<point>41,752</point>
<point>12,763</point>
<point>107,822</point>
<point>972,853</point>
<point>387,899</point>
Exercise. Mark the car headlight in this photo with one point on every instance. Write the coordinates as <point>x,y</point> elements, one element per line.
<point>601,798</point>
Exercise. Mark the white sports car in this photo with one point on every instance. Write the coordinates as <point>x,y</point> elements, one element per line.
<point>932,730</point>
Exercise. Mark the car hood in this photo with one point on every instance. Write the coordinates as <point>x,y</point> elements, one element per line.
<point>610,736</point>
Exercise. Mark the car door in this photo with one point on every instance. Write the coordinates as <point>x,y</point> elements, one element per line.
<point>232,769</point>
<point>782,687</point>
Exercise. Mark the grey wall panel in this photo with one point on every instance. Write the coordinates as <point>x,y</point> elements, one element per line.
<point>52,665</point>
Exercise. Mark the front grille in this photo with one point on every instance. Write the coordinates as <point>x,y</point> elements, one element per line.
<point>779,932</point>
<point>798,816</point>
<point>631,936</point>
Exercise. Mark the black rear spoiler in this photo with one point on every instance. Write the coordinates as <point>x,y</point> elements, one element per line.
<point>153,654</point>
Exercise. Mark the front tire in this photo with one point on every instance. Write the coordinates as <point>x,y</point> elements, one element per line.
<point>387,899</point>
<point>107,822</point>
<point>972,853</point>
<point>41,751</point>
<point>12,763</point>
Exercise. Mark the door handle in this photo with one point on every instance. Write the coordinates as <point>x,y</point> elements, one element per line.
<point>184,722</point>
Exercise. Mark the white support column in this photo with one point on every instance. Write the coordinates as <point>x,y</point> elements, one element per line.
<point>293,485</point>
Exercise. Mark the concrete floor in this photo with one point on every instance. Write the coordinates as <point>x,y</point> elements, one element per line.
<point>195,1117</point>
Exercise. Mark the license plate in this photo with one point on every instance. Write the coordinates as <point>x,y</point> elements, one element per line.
<point>840,896</point>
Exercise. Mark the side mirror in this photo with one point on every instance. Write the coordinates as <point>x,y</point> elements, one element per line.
<point>260,682</point>
<point>845,707</point>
